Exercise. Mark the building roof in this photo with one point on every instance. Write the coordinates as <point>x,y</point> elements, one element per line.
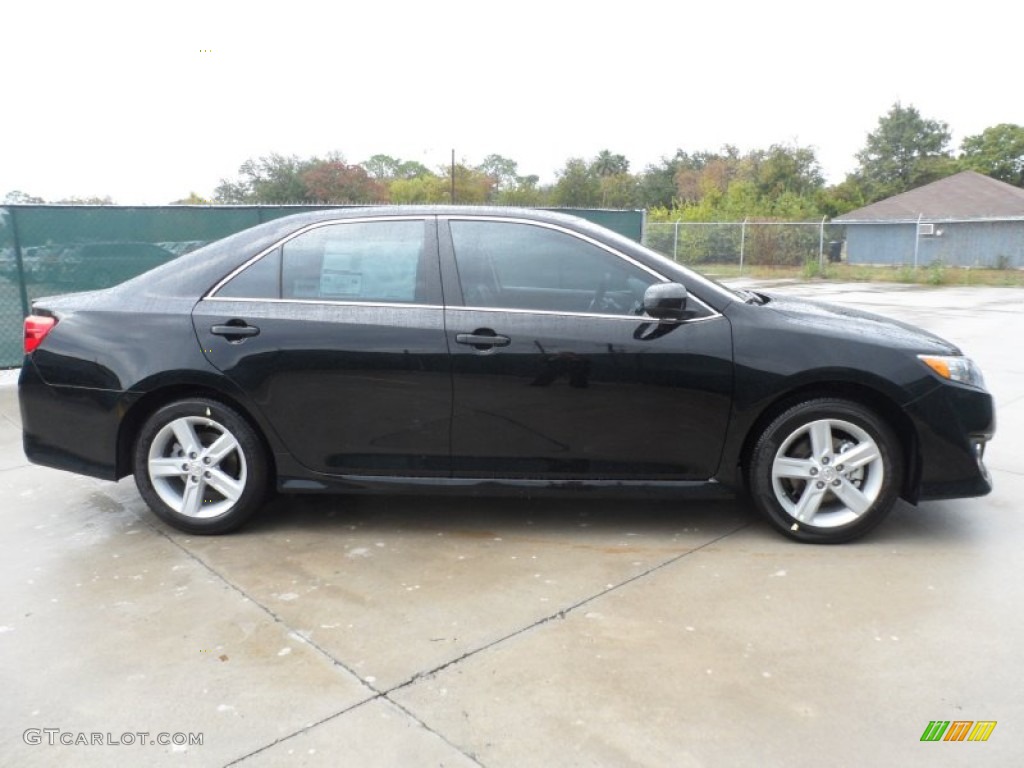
<point>966,196</point>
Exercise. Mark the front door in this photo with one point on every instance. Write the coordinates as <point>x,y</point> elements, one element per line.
<point>557,372</point>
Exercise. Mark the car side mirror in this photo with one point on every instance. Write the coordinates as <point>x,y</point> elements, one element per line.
<point>666,301</point>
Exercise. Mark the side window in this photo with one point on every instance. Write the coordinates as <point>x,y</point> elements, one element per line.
<point>260,280</point>
<point>521,266</point>
<point>379,261</point>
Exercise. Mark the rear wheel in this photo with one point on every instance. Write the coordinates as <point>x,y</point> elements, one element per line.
<point>826,471</point>
<point>200,466</point>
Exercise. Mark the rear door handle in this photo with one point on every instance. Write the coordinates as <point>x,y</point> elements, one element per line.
<point>483,340</point>
<point>235,330</point>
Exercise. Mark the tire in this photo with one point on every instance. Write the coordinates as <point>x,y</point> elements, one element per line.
<point>826,471</point>
<point>200,466</point>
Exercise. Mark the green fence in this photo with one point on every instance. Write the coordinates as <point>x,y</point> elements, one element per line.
<point>51,249</point>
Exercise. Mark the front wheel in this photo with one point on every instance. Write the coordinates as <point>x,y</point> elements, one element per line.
<point>826,471</point>
<point>200,466</point>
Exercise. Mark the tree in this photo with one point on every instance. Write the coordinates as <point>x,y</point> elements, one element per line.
<point>524,193</point>
<point>657,183</point>
<point>85,200</point>
<point>421,189</point>
<point>618,191</point>
<point>607,164</point>
<point>905,151</point>
<point>192,199</point>
<point>783,169</point>
<point>271,179</point>
<point>17,197</point>
<point>382,167</point>
<point>386,168</point>
<point>704,173</point>
<point>841,198</point>
<point>334,181</point>
<point>998,152</point>
<point>472,186</point>
<point>410,169</point>
<point>503,172</point>
<point>782,182</point>
<point>577,185</point>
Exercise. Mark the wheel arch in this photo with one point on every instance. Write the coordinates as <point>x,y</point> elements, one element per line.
<point>152,401</point>
<point>864,395</point>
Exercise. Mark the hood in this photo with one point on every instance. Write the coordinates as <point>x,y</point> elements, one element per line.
<point>849,323</point>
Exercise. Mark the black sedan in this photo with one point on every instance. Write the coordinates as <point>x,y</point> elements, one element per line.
<point>487,350</point>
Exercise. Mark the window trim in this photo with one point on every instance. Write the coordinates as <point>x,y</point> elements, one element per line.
<point>594,315</point>
<point>325,302</point>
<point>211,295</point>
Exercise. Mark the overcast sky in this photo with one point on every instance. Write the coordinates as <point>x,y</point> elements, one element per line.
<point>146,102</point>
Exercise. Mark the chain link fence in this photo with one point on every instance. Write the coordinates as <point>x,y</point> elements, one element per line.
<point>743,244</point>
<point>728,248</point>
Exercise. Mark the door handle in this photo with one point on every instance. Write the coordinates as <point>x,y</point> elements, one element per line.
<point>483,340</point>
<point>236,329</point>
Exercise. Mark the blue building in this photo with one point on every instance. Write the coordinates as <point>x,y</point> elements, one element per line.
<point>965,220</point>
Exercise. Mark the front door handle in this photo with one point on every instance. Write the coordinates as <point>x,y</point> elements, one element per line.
<point>235,330</point>
<point>483,338</point>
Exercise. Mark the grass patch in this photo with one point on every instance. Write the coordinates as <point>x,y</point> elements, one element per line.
<point>934,274</point>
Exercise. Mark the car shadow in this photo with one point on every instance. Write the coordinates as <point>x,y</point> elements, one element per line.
<point>931,524</point>
<point>495,515</point>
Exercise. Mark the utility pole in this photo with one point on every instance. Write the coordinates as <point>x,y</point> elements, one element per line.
<point>453,177</point>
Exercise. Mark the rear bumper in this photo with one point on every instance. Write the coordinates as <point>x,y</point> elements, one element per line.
<point>954,424</point>
<point>69,428</point>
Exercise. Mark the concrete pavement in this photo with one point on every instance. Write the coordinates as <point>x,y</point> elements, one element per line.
<point>500,632</point>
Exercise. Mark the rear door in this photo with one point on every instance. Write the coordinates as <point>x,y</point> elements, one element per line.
<point>556,371</point>
<point>338,336</point>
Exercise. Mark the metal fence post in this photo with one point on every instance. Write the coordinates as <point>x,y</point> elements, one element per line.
<point>917,237</point>
<point>743,241</point>
<point>821,244</point>
<point>675,244</point>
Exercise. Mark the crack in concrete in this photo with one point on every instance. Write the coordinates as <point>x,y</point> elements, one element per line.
<point>304,729</point>
<point>385,695</point>
<point>345,711</point>
<point>560,614</point>
<point>408,713</point>
<point>376,694</point>
<point>1010,402</point>
<point>994,468</point>
<point>276,618</point>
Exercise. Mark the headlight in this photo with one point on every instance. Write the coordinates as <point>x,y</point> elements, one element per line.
<point>959,369</point>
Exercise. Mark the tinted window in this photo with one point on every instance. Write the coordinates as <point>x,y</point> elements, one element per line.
<point>260,280</point>
<point>511,265</point>
<point>364,261</point>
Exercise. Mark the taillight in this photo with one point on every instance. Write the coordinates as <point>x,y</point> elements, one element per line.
<point>36,328</point>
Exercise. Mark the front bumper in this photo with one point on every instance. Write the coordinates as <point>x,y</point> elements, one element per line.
<point>954,424</point>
